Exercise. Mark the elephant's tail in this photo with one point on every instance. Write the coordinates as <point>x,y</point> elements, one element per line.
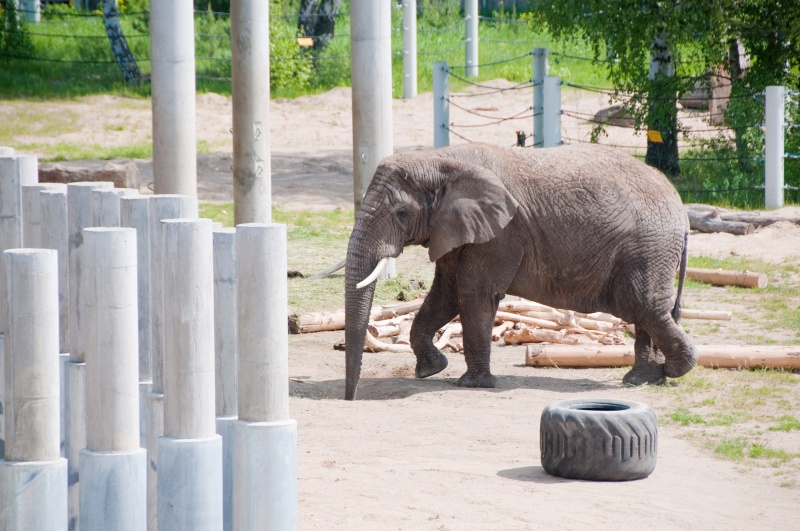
<point>676,310</point>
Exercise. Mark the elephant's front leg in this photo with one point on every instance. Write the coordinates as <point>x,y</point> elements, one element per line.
<point>438,309</point>
<point>478,311</point>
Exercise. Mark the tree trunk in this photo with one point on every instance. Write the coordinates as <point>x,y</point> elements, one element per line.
<point>745,159</point>
<point>318,19</point>
<point>662,112</point>
<point>119,45</point>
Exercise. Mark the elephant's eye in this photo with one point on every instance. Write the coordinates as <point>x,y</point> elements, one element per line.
<point>402,215</point>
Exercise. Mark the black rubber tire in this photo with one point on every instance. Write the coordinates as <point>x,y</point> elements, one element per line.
<point>598,439</point>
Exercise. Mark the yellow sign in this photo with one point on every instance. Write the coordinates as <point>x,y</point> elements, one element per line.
<point>305,42</point>
<point>655,137</point>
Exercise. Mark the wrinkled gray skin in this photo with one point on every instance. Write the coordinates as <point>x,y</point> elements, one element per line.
<point>575,227</point>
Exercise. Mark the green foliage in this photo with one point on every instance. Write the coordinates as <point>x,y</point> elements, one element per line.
<point>14,38</point>
<point>786,423</point>
<point>290,67</point>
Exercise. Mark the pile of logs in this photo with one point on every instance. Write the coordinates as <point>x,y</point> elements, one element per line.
<point>708,219</point>
<point>516,322</point>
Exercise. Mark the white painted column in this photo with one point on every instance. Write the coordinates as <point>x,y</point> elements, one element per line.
<point>552,112</point>
<point>54,236</point>
<point>539,73</point>
<point>134,213</point>
<point>441,105</point>
<point>113,468</point>
<point>225,358</point>
<point>409,49</point>
<point>471,37</point>
<point>265,438</point>
<point>32,11</point>
<point>33,475</point>
<point>106,206</point>
<point>190,452</point>
<point>161,207</point>
<point>15,172</point>
<point>32,213</point>
<point>6,151</point>
<point>774,146</point>
<point>173,97</point>
<point>252,179</point>
<point>79,217</point>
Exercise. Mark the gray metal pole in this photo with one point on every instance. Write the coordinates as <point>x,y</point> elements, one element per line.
<point>252,181</point>
<point>774,146</point>
<point>552,112</point>
<point>471,37</point>
<point>539,73</point>
<point>441,105</point>
<point>173,97</point>
<point>371,73</point>
<point>409,49</point>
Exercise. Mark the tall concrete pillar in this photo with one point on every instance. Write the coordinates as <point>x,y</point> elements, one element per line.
<point>161,207</point>
<point>33,475</point>
<point>113,468</point>
<point>252,180</point>
<point>106,206</point>
<point>225,359</point>
<point>134,213</point>
<point>173,97</point>
<point>190,452</point>
<point>265,438</point>
<point>32,213</point>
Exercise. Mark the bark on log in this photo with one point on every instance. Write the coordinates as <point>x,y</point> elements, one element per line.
<point>722,277</point>
<point>712,356</point>
<point>711,222</point>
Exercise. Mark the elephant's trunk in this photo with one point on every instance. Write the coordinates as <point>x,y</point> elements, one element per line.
<point>358,303</point>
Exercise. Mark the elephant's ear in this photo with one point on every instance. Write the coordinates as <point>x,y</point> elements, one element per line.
<point>473,207</point>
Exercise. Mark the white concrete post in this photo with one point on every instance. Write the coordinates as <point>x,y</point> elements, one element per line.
<point>134,213</point>
<point>551,133</point>
<point>774,146</point>
<point>54,236</point>
<point>173,97</point>
<point>161,207</point>
<point>33,475</point>
<point>409,49</point>
<point>113,468</point>
<point>79,217</point>
<point>31,10</point>
<point>225,358</point>
<point>106,206</point>
<point>252,179</point>
<point>15,172</point>
<point>265,438</point>
<point>190,452</point>
<point>539,73</point>
<point>441,105</point>
<point>32,213</point>
<point>6,151</point>
<point>471,37</point>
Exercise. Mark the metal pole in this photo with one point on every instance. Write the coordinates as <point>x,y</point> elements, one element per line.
<point>409,49</point>
<point>539,73</point>
<point>551,102</point>
<point>252,180</point>
<point>173,97</point>
<point>471,37</point>
<point>774,148</point>
<point>441,105</point>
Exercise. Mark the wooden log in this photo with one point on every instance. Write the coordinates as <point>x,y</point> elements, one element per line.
<point>316,322</point>
<point>522,305</point>
<point>499,330</point>
<point>756,218</point>
<point>711,222</point>
<point>536,335</point>
<point>376,345</point>
<point>404,336</point>
<point>508,316</point>
<point>390,330</point>
<point>389,311</point>
<point>450,330</point>
<point>709,315</point>
<point>712,356</point>
<point>723,277</point>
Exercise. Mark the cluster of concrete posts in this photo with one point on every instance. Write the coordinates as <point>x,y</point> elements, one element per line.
<point>145,362</point>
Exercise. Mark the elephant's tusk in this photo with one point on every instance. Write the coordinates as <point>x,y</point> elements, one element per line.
<point>372,276</point>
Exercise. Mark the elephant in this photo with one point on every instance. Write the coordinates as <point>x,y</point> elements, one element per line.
<point>579,227</point>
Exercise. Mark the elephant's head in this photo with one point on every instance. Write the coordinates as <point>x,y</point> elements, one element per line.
<point>421,199</point>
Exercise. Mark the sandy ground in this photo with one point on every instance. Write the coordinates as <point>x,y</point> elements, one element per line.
<point>425,454</point>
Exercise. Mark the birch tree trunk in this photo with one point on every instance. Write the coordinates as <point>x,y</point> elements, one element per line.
<point>662,114</point>
<point>119,45</point>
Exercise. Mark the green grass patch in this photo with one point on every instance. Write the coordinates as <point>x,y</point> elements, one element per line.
<point>63,151</point>
<point>684,417</point>
<point>786,423</point>
<point>759,451</point>
<point>732,449</point>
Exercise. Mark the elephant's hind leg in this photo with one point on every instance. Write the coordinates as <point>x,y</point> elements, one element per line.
<point>438,309</point>
<point>680,356</point>
<point>648,367</point>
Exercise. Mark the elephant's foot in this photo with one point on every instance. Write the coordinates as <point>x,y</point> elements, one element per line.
<point>430,365</point>
<point>681,363</point>
<point>477,379</point>
<point>645,376</point>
